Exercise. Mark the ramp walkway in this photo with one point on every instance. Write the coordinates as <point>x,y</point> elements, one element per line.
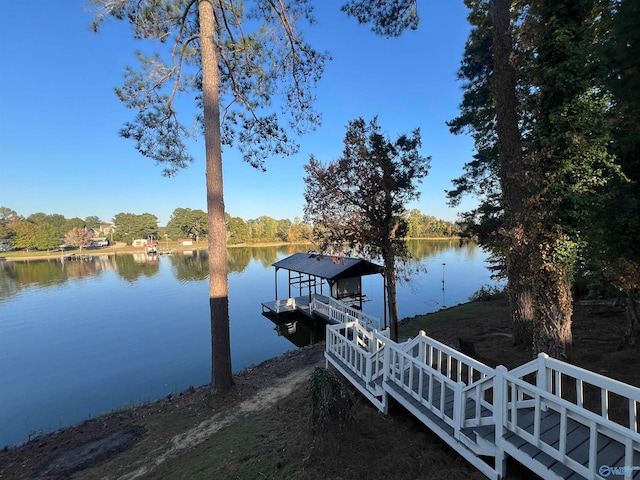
<point>558,420</point>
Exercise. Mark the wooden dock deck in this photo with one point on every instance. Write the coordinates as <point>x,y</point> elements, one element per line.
<point>488,414</point>
<point>329,309</point>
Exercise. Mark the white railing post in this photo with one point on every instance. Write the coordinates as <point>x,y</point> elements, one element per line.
<point>458,409</point>
<point>386,365</point>
<point>499,409</point>
<point>543,380</point>
<point>421,350</point>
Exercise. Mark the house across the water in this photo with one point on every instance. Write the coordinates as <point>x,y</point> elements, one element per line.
<point>320,279</point>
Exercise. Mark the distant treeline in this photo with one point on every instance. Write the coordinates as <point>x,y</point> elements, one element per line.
<point>29,232</point>
<point>192,223</point>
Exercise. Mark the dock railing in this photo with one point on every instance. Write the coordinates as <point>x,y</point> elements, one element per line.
<point>579,397</point>
<point>427,369</point>
<point>582,422</point>
<point>338,312</point>
<point>359,353</point>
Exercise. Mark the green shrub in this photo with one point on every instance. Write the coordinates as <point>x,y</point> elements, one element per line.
<point>486,292</point>
<point>331,402</point>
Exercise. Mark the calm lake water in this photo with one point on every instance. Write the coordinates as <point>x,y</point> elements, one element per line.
<point>82,338</point>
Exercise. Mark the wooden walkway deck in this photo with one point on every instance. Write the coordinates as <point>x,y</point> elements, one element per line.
<point>488,414</point>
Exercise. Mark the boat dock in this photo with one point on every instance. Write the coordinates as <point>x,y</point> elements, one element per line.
<point>294,304</point>
<point>76,258</point>
<point>329,309</point>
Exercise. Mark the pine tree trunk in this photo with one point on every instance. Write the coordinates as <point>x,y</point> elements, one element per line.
<point>554,307</point>
<point>221,378</point>
<point>522,312</point>
<point>520,288</point>
<point>512,176</point>
<point>632,312</point>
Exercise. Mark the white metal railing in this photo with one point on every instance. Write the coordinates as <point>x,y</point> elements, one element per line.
<point>424,363</point>
<point>428,371</point>
<point>426,385</point>
<point>338,312</point>
<point>359,349</point>
<point>452,363</point>
<point>552,393</point>
<point>484,394</point>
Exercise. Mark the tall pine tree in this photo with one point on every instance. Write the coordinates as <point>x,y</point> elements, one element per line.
<point>234,60</point>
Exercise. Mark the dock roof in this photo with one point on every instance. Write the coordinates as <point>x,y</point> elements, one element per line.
<point>328,267</point>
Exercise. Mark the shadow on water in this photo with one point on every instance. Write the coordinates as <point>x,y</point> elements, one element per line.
<point>297,328</point>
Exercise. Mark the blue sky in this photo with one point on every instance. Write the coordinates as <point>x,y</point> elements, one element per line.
<point>60,151</point>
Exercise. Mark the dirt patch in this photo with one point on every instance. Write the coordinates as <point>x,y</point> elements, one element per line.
<point>90,453</point>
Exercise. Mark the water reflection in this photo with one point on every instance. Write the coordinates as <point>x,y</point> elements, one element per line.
<point>299,329</point>
<point>190,267</point>
<point>16,276</point>
<point>423,249</point>
<point>82,338</point>
<point>132,267</point>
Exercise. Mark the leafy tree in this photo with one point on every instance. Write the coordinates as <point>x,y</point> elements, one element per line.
<point>185,222</point>
<point>360,198</point>
<point>25,235</point>
<point>130,226</point>
<point>93,222</point>
<point>6,214</point>
<point>536,109</point>
<point>614,227</point>
<point>5,233</point>
<point>60,223</point>
<point>545,103</point>
<point>38,218</point>
<point>263,229</point>
<point>420,225</point>
<point>484,176</point>
<point>299,232</point>
<point>238,231</point>
<point>282,228</point>
<point>75,222</point>
<point>234,75</point>
<point>78,237</point>
<point>515,190</point>
<point>570,165</point>
<point>48,237</point>
<point>491,112</point>
<point>6,217</point>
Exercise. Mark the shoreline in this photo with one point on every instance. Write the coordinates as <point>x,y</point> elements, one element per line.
<point>16,256</point>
